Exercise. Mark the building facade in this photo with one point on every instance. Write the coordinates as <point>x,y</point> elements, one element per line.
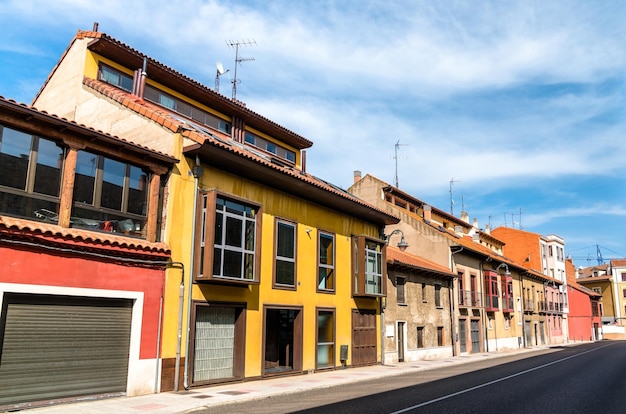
<point>82,283</point>
<point>283,271</point>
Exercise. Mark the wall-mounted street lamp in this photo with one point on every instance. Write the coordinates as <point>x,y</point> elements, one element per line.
<point>402,244</point>
<point>506,269</point>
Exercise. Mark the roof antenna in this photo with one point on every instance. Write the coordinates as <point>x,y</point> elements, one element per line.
<point>220,72</point>
<point>452,181</point>
<point>235,44</point>
<point>95,26</point>
<point>395,157</point>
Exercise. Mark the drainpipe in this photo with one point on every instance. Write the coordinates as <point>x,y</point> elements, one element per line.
<point>521,283</point>
<point>179,335</point>
<point>176,369</point>
<point>197,173</point>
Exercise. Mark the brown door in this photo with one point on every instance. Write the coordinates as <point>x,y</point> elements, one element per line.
<point>364,337</point>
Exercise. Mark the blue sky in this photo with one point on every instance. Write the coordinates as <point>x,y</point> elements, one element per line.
<point>522,103</point>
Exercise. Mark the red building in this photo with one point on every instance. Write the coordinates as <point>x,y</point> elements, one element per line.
<point>584,310</point>
<point>82,275</point>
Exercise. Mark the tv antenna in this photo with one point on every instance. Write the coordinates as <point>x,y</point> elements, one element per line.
<point>395,157</point>
<point>234,44</point>
<point>220,72</point>
<point>452,181</point>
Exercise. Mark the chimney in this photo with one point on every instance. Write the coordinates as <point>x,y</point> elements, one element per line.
<point>465,216</point>
<point>357,176</point>
<point>458,230</point>
<point>487,229</point>
<point>427,212</point>
<point>475,223</point>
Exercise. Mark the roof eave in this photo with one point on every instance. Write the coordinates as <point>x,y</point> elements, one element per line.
<point>249,168</point>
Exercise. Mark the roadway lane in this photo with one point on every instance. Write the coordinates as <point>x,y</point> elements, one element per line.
<point>585,379</point>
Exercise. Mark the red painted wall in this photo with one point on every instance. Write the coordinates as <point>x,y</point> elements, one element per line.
<point>579,318</point>
<point>26,267</point>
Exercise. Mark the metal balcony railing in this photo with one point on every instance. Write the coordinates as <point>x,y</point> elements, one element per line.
<point>469,299</point>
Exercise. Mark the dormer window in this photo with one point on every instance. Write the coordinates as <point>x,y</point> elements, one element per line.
<point>116,78</point>
<point>270,147</point>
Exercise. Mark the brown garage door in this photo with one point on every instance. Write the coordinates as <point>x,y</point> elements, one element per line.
<point>364,337</point>
<point>57,347</point>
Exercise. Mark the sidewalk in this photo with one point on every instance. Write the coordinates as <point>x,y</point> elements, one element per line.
<point>188,401</point>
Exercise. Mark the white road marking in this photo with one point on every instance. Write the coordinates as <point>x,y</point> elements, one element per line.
<point>445,397</point>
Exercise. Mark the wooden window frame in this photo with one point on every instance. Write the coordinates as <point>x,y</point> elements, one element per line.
<point>359,266</point>
<point>332,363</point>
<point>205,239</point>
<point>332,267</point>
<point>278,222</point>
<point>401,292</point>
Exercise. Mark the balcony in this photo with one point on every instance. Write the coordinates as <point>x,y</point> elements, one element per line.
<point>529,306</point>
<point>492,303</point>
<point>469,299</point>
<point>508,304</point>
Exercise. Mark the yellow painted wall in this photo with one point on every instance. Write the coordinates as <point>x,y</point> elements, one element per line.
<point>307,215</point>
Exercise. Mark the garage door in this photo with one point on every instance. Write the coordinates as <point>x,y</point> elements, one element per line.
<point>54,347</point>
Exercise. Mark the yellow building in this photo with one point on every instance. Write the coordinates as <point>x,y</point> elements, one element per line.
<point>283,272</point>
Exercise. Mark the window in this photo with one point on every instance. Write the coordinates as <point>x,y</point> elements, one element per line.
<point>491,291</point>
<point>285,265</point>
<point>325,357</point>
<point>424,293</point>
<point>420,337</point>
<point>461,291</point>
<point>440,336</point>
<point>507,293</point>
<point>438,296</point>
<point>30,175</point>
<point>109,195</point>
<point>228,239</point>
<point>624,292</point>
<point>623,276</point>
<point>170,102</point>
<point>116,78</point>
<point>597,290</point>
<point>326,262</point>
<point>270,147</point>
<point>400,282</point>
<point>368,266</point>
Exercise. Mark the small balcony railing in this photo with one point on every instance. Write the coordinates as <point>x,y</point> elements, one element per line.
<point>469,299</point>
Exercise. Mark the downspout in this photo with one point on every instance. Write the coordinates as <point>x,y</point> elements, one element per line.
<point>484,313</point>
<point>176,369</point>
<point>179,336</point>
<point>197,173</point>
<point>521,283</point>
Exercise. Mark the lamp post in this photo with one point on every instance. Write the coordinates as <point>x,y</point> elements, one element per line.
<point>402,244</point>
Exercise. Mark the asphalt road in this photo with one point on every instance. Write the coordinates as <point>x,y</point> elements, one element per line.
<point>589,378</point>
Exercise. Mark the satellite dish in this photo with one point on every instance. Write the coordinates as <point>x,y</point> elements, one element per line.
<point>220,68</point>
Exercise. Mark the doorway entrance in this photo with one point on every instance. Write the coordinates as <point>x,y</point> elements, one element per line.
<point>283,340</point>
<point>400,329</point>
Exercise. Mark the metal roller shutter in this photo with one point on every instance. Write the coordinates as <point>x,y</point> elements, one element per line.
<point>55,347</point>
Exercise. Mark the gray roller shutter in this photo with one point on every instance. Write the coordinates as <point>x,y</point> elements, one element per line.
<point>55,347</point>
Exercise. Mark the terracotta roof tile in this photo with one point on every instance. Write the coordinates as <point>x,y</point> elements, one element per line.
<point>398,257</point>
<point>103,37</point>
<point>83,129</point>
<point>23,228</point>
<point>175,123</point>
